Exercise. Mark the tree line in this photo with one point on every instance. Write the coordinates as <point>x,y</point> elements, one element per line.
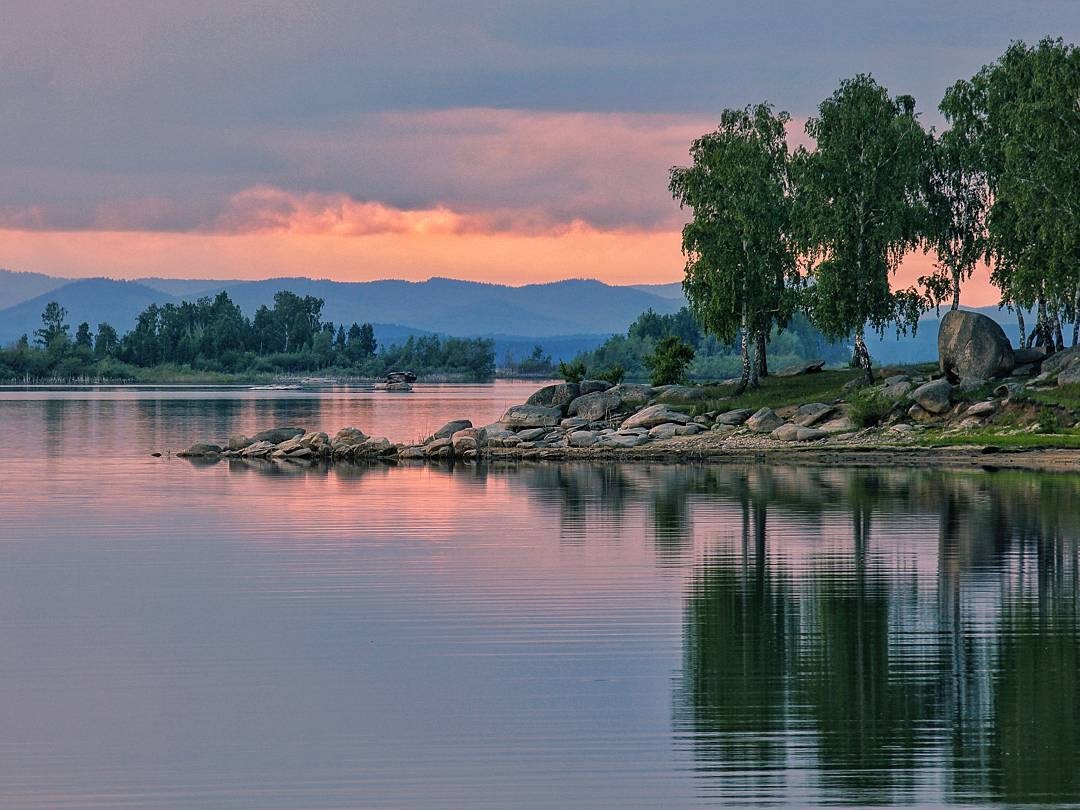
<point>214,335</point>
<point>821,231</point>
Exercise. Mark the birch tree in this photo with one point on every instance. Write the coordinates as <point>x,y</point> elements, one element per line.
<point>861,205</point>
<point>737,245</point>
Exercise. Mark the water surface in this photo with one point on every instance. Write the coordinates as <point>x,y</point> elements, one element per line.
<point>277,636</point>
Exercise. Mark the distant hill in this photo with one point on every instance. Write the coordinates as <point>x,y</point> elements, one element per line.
<point>16,286</point>
<point>673,290</point>
<point>561,309</point>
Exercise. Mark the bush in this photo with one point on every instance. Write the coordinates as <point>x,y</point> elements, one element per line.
<point>669,360</point>
<point>613,374</point>
<point>1047,421</point>
<point>868,407</point>
<point>572,372</point>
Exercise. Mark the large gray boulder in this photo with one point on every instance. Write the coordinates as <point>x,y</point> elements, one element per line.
<point>764,420</point>
<point>1060,361</point>
<point>735,417</point>
<point>591,386</point>
<point>452,427</point>
<point>277,435</point>
<point>654,415</point>
<point>531,416</point>
<point>972,345</point>
<point>617,399</point>
<point>811,413</point>
<point>559,395</point>
<point>935,397</point>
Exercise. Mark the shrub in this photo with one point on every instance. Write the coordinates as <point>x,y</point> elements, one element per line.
<point>669,360</point>
<point>572,372</point>
<point>868,407</point>
<point>1047,421</point>
<point>613,374</point>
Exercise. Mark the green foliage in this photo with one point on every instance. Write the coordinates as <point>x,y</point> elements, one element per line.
<point>738,247</point>
<point>1016,122</point>
<point>573,371</point>
<point>868,407</point>
<point>862,202</point>
<point>612,374</point>
<point>669,360</point>
<point>212,338</point>
<point>1047,421</point>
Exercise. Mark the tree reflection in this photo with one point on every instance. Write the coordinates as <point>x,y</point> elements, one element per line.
<point>846,653</point>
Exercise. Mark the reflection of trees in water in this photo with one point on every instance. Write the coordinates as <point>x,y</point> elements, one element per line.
<point>889,672</point>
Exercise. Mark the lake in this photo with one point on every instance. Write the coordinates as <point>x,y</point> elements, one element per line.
<point>255,635</point>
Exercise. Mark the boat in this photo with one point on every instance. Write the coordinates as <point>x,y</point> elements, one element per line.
<point>398,381</point>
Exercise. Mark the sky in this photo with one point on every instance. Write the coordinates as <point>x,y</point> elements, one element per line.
<point>499,141</point>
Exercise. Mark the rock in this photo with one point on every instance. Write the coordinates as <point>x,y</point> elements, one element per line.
<point>532,416</point>
<point>258,450</point>
<point>811,413</point>
<point>968,384</point>
<point>1009,389</point>
<point>897,378</point>
<point>654,415</point>
<point>720,427</point>
<point>902,427</point>
<point>840,425</point>
<point>573,423</point>
<point>639,431</point>
<point>809,434</point>
<point>736,417</point>
<point>1025,370</point>
<point>972,345</point>
<point>595,406</point>
<point>289,445</point>
<point>439,448</point>
<point>689,429</point>
<point>558,396</point>
<point>592,386</point>
<point>466,439</point>
<point>1059,361</point>
<point>981,409</point>
<point>346,441</point>
<point>764,421</point>
<point>920,414</point>
<point>374,447</point>
<point>411,453</point>
<point>200,450</point>
<point>665,431</point>
<point>619,441</point>
<point>277,435</point>
<point>452,427</point>
<point>812,367</point>
<point>238,441</point>
<point>300,453</point>
<point>788,432</point>
<point>935,396</point>
<point>318,443</point>
<point>898,390</point>
<point>582,438</point>
<point>1070,376</point>
<point>704,421</point>
<point>532,434</point>
<point>682,393</point>
<point>1033,356</point>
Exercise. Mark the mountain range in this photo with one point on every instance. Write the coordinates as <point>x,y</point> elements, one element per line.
<point>565,317</point>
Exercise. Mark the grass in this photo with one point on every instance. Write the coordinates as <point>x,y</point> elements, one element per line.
<point>774,392</point>
<point>1007,441</point>
<point>1065,396</point>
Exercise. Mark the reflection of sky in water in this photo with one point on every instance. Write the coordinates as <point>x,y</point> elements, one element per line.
<point>244,635</point>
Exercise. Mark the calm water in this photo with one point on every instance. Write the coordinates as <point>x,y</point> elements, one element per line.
<point>253,636</point>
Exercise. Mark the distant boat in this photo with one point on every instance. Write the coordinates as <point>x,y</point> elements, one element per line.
<point>398,381</point>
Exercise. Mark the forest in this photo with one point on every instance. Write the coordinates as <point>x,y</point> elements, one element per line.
<point>213,339</point>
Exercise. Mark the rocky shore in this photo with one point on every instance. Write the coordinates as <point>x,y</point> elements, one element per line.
<point>981,380</point>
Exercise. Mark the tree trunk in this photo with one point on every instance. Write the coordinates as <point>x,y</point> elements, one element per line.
<point>956,289</point>
<point>762,359</point>
<point>862,354</point>
<point>1059,339</point>
<point>1043,331</point>
<point>1076,315</point>
<point>1024,342</point>
<point>744,379</point>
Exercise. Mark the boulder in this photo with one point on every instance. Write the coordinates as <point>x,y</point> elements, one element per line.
<point>592,386</point>
<point>466,439</point>
<point>654,415</point>
<point>681,393</point>
<point>811,413</point>
<point>318,443</point>
<point>897,390</point>
<point>972,345</point>
<point>981,409</point>
<point>665,431</point>
<point>736,417</point>
<point>532,416</point>
<point>689,429</point>
<point>839,425</point>
<point>595,406</point>
<point>935,396</point>
<point>374,447</point>
<point>238,441</point>
<point>1069,376</point>
<point>346,441</point>
<point>809,434</point>
<point>411,453</point>
<point>1033,356</point>
<point>787,432</point>
<point>920,414</point>
<point>764,420</point>
<point>971,384</point>
<point>450,428</point>
<point>573,423</point>
<point>277,435</point>
<point>300,453</point>
<point>200,450</point>
<point>439,448</point>
<point>258,450</point>
<point>532,434</point>
<point>897,378</point>
<point>617,440</point>
<point>582,438</point>
<point>559,395</point>
<point>811,367</point>
<point>1010,389</point>
<point>1059,361</point>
